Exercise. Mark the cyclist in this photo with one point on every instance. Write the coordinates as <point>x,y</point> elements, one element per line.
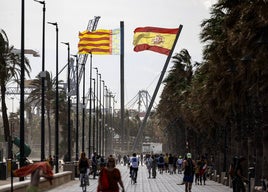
<point>83,166</point>
<point>134,166</point>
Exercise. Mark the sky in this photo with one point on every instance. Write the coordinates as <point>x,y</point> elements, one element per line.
<point>141,69</point>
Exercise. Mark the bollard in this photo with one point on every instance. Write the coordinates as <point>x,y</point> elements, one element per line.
<point>251,174</point>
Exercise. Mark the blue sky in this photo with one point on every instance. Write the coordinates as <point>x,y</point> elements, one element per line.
<point>142,69</point>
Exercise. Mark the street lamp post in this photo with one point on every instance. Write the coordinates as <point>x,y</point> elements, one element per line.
<point>106,119</point>
<point>43,75</point>
<point>83,115</point>
<point>69,104</point>
<point>94,114</point>
<point>100,117</point>
<point>22,76</point>
<point>57,100</point>
<point>103,120</point>
<point>97,112</point>
<point>112,124</point>
<point>77,109</point>
<point>90,106</point>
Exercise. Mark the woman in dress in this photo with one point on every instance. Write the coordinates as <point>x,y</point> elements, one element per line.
<point>109,178</point>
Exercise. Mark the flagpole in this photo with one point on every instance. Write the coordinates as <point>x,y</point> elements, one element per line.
<point>156,91</point>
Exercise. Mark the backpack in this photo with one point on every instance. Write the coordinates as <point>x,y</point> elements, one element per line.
<point>189,170</point>
<point>134,162</point>
<point>161,160</point>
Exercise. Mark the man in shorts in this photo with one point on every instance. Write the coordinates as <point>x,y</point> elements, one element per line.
<point>188,168</point>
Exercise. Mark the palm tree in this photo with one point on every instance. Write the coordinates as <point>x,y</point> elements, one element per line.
<point>35,98</point>
<point>9,71</point>
<point>176,89</point>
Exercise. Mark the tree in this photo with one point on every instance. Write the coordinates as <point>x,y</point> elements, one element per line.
<point>9,72</point>
<point>175,91</point>
<point>35,98</point>
<point>225,103</point>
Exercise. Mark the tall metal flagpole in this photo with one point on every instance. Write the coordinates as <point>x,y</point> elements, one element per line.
<point>156,91</point>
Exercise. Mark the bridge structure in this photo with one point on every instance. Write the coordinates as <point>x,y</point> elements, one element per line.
<point>140,102</point>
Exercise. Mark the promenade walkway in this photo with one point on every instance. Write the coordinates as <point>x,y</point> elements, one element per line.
<point>163,183</point>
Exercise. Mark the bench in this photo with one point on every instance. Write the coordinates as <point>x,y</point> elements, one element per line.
<point>58,179</point>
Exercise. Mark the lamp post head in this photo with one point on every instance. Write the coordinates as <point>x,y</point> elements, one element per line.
<point>65,43</point>
<point>74,56</point>
<point>51,23</point>
<point>41,2</point>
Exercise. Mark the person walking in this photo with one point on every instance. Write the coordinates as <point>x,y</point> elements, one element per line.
<point>148,163</point>
<point>94,164</point>
<point>154,165</point>
<point>189,169</point>
<point>161,163</point>
<point>110,177</point>
<point>203,171</point>
<point>179,164</point>
<point>236,172</point>
<point>197,172</point>
<point>134,165</point>
<point>170,163</point>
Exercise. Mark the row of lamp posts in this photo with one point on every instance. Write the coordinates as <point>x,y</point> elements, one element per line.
<point>98,132</point>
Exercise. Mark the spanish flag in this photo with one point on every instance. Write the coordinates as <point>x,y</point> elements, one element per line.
<point>155,39</point>
<point>99,42</point>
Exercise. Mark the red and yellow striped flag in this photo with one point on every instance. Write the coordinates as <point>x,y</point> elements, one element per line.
<point>99,42</point>
<point>155,39</point>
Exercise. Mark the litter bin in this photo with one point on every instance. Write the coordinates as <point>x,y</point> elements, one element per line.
<point>76,171</point>
<point>3,171</point>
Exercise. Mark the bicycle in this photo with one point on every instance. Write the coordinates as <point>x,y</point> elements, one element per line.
<point>84,182</point>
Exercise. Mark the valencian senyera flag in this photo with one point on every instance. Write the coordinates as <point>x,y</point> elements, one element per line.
<point>99,42</point>
<point>154,39</point>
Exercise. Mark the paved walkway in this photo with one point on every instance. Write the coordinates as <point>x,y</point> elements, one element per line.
<point>163,183</point>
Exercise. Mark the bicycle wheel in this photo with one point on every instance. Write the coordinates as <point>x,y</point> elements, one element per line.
<point>84,184</point>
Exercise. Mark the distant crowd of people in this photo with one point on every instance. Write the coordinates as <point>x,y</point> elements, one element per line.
<point>109,177</point>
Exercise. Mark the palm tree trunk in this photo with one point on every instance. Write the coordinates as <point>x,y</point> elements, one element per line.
<point>5,120</point>
<point>49,133</point>
<point>258,158</point>
<point>265,142</point>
